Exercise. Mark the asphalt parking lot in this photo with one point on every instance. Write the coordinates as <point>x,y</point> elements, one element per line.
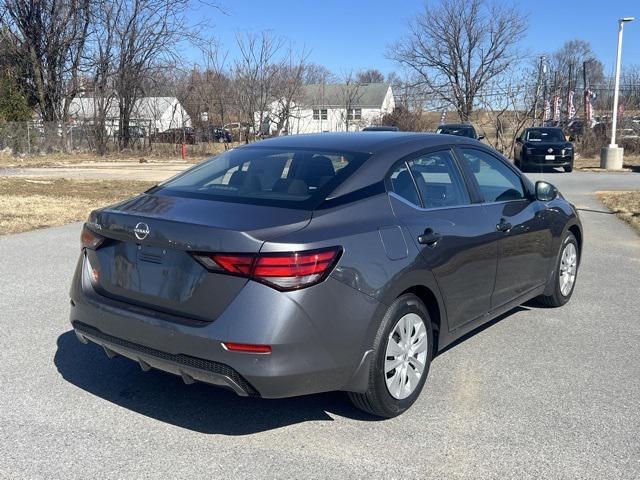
<point>539,393</point>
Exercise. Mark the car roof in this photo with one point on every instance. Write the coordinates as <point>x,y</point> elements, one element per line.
<point>361,142</point>
<point>456,125</point>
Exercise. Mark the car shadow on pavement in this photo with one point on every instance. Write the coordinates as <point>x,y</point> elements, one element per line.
<point>521,308</point>
<point>198,407</point>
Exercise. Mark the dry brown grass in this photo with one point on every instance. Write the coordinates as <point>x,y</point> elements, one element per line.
<point>631,162</point>
<point>625,205</point>
<point>27,204</point>
<point>161,153</point>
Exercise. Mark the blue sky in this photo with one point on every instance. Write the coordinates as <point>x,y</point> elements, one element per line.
<point>354,34</point>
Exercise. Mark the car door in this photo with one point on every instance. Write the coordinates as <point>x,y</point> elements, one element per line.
<point>430,197</point>
<point>524,237</point>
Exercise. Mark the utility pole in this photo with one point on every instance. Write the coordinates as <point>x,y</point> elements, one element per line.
<point>535,100</point>
<point>611,157</point>
<point>567,107</point>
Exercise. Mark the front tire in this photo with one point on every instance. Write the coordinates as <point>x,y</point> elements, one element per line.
<point>565,275</point>
<point>403,349</point>
<point>569,168</point>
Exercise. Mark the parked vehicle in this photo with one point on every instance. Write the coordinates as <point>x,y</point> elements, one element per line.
<point>176,135</point>
<point>459,129</point>
<point>575,128</point>
<point>215,134</point>
<point>311,263</point>
<point>135,132</point>
<point>380,128</point>
<point>543,147</point>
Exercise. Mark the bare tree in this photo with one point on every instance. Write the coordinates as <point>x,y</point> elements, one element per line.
<point>103,60</point>
<point>506,109</point>
<point>148,33</point>
<point>458,47</point>
<point>371,75</point>
<point>256,74</point>
<point>317,74</point>
<point>350,93</point>
<point>288,89</point>
<point>214,87</point>
<point>50,36</point>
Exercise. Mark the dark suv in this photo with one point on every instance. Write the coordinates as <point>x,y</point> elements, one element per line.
<point>543,147</point>
<point>459,129</point>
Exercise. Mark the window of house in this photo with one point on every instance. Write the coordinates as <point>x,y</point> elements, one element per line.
<point>354,114</point>
<point>319,113</point>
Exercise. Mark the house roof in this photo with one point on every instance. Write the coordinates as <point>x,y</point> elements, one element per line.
<point>148,108</point>
<point>365,95</point>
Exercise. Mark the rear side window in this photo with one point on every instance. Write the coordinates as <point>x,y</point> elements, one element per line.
<point>439,181</point>
<point>497,182</point>
<point>290,178</point>
<point>402,184</point>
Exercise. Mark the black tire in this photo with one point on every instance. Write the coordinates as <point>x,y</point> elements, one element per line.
<point>569,168</point>
<point>557,299</point>
<point>377,400</point>
<point>521,165</point>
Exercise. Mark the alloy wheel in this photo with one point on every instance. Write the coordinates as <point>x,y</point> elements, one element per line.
<point>568,268</point>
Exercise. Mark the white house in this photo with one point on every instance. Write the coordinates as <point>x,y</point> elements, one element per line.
<point>332,108</point>
<point>154,114</point>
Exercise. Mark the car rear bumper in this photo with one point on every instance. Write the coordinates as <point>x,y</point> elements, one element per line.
<point>318,337</point>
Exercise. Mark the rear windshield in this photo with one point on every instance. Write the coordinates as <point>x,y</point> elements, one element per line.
<point>289,178</point>
<point>545,135</point>
<point>460,131</point>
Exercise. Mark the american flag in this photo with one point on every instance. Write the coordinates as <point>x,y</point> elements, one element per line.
<point>571,109</point>
<point>547,111</point>
<point>588,108</point>
<point>557,102</point>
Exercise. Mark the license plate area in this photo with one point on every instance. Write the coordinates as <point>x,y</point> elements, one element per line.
<point>549,157</point>
<point>151,254</point>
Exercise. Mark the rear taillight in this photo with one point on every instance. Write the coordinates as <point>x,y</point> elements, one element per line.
<point>90,239</point>
<point>246,348</point>
<point>283,271</point>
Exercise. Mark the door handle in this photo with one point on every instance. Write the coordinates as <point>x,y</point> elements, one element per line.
<point>429,237</point>
<point>503,226</point>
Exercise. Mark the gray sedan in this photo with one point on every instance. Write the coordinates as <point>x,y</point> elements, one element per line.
<point>313,263</point>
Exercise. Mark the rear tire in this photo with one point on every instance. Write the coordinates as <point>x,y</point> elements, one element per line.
<point>393,389</point>
<point>561,292</point>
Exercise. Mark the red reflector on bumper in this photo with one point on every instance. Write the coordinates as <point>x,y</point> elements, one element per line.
<point>244,347</point>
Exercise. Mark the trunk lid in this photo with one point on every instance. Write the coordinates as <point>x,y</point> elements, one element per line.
<point>147,259</point>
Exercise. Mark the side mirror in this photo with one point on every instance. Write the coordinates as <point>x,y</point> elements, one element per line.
<point>518,139</point>
<point>572,138</point>
<point>545,192</point>
<point>480,137</point>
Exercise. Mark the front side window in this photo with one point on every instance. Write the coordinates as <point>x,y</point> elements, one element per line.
<point>497,182</point>
<point>290,178</point>
<point>439,180</point>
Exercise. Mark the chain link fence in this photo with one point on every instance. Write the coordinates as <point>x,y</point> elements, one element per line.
<point>44,138</point>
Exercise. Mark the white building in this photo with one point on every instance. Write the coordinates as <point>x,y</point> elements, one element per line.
<point>153,114</point>
<point>332,108</point>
